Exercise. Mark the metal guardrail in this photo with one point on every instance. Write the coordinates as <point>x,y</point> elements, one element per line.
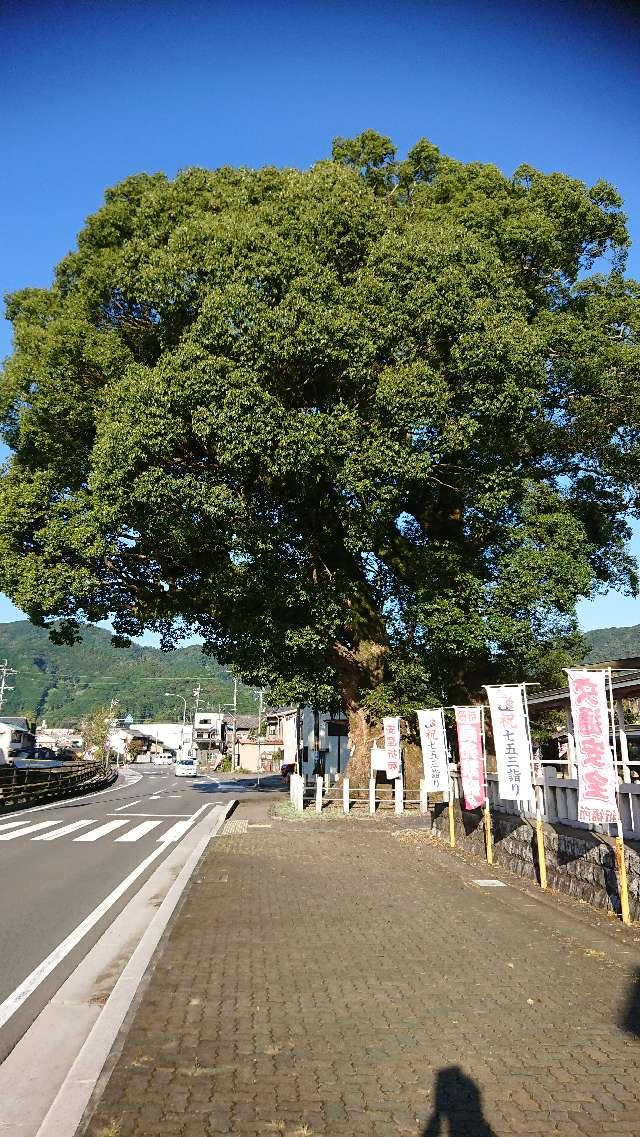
<point>20,786</point>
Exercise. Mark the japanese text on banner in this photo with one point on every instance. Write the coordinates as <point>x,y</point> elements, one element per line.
<point>471,755</point>
<point>435,759</point>
<point>391,728</point>
<point>511,740</point>
<point>597,779</point>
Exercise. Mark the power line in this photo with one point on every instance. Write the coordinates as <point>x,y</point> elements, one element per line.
<point>129,678</point>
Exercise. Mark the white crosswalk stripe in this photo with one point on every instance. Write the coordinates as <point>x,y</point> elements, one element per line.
<point>96,830</point>
<point>11,825</point>
<point>101,831</point>
<point>71,828</point>
<point>139,831</point>
<point>176,831</point>
<point>27,830</point>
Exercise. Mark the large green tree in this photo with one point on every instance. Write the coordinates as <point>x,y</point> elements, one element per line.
<point>371,428</point>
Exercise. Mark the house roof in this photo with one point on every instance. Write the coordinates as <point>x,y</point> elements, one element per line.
<point>15,721</point>
<point>243,722</point>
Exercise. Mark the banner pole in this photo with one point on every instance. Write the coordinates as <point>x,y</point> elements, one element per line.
<point>621,865</point>
<point>488,839</point>
<point>542,856</point>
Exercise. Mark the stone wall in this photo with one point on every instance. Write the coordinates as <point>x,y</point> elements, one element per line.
<point>579,863</point>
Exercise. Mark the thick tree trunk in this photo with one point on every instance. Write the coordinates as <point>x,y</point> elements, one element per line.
<point>359,671</point>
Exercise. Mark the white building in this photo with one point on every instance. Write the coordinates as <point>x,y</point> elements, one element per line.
<point>317,740</point>
<point>16,740</point>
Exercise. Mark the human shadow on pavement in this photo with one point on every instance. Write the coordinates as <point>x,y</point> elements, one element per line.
<point>631,1015</point>
<point>457,1110</point>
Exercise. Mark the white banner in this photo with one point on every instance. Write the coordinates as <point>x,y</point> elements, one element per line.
<point>433,740</point>
<point>511,741</point>
<point>597,778</point>
<point>391,728</point>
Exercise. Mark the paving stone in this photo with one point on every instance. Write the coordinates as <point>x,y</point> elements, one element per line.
<point>355,986</point>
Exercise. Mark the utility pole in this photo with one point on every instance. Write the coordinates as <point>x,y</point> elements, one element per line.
<point>196,695</point>
<point>260,697</point>
<point>5,671</point>
<point>112,723</point>
<point>235,723</point>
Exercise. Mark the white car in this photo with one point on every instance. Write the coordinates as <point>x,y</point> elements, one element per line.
<point>186,767</point>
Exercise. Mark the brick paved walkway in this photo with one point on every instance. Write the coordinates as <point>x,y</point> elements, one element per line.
<point>327,979</point>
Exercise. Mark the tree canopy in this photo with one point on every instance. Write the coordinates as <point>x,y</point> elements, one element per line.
<point>369,428</point>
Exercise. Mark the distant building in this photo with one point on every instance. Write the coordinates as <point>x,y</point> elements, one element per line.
<point>16,740</point>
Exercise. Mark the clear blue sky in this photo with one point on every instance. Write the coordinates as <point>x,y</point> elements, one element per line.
<point>93,92</point>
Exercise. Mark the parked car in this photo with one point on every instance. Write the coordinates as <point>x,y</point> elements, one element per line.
<point>186,767</point>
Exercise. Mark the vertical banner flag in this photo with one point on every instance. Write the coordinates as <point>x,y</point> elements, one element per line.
<point>391,728</point>
<point>597,778</point>
<point>471,754</point>
<point>433,741</point>
<point>511,739</point>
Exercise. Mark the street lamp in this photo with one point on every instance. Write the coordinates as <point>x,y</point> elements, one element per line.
<point>173,695</point>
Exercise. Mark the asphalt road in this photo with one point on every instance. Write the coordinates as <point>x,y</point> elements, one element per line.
<point>60,862</point>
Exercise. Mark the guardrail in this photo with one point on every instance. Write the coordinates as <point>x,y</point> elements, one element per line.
<point>20,786</point>
<point>559,803</point>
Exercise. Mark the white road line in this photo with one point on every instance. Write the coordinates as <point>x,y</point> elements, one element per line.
<point>81,797</point>
<point>159,814</point>
<point>128,805</point>
<point>101,831</point>
<point>74,825</point>
<point>139,831</point>
<point>40,973</point>
<point>11,824</point>
<point>27,829</point>
<point>180,828</point>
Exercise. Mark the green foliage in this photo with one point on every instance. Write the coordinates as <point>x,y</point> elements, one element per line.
<point>367,428</point>
<point>65,685</point>
<point>95,731</point>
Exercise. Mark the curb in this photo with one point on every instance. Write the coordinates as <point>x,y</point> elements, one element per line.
<point>70,1104</point>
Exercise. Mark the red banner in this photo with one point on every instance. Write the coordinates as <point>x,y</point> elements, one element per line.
<point>597,778</point>
<point>471,755</point>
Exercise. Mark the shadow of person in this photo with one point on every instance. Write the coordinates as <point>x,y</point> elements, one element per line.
<point>631,1017</point>
<point>458,1107</point>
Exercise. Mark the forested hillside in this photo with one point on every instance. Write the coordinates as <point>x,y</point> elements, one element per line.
<point>613,643</point>
<point>63,684</point>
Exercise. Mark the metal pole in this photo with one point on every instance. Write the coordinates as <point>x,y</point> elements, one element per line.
<point>621,864</point>
<point>235,723</point>
<point>538,791</point>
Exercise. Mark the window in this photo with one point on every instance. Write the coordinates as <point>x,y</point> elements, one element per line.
<point>338,728</point>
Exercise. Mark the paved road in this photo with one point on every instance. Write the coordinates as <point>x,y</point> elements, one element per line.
<point>60,862</point>
<point>365,987</point>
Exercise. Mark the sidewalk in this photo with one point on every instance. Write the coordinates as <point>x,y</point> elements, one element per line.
<point>327,978</point>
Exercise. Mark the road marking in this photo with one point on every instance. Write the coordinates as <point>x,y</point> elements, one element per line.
<point>27,829</point>
<point>180,827</point>
<point>101,831</point>
<point>15,1000</point>
<point>139,831</point>
<point>11,824</point>
<point>81,797</point>
<point>65,829</point>
<point>489,883</point>
<point>160,814</point>
<point>128,805</point>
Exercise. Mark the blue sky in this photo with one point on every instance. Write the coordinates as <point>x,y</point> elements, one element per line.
<point>93,92</point>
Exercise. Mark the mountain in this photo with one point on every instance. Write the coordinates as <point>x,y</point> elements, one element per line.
<point>64,684</point>
<point>613,643</point>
